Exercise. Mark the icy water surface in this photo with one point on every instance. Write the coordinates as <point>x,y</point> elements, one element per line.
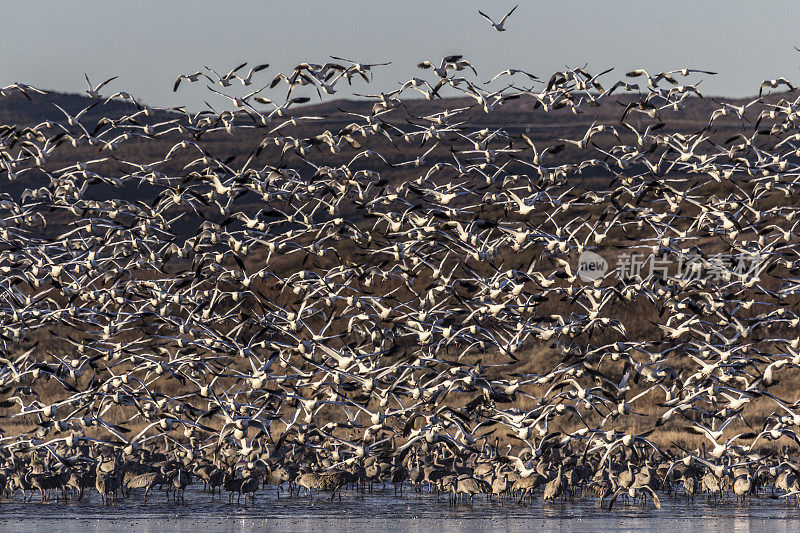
<point>383,511</point>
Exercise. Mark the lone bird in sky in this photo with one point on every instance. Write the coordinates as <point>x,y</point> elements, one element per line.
<point>499,26</point>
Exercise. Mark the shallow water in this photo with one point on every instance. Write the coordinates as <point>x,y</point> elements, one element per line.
<point>383,511</point>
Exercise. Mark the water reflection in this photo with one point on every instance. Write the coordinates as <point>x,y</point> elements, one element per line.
<point>383,511</point>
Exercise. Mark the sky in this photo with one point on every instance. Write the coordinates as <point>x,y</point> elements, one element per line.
<point>51,44</point>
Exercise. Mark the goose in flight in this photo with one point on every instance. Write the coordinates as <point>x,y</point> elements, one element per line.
<point>227,79</point>
<point>499,26</point>
<point>191,77</point>
<point>22,88</point>
<point>247,80</point>
<point>237,101</point>
<point>511,72</point>
<point>448,63</point>
<point>94,92</point>
<point>687,71</point>
<point>774,84</point>
<point>359,68</point>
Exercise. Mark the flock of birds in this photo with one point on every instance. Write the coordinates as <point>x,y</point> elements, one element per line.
<point>396,299</point>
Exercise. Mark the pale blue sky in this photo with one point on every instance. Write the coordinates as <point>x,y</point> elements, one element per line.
<point>50,44</point>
